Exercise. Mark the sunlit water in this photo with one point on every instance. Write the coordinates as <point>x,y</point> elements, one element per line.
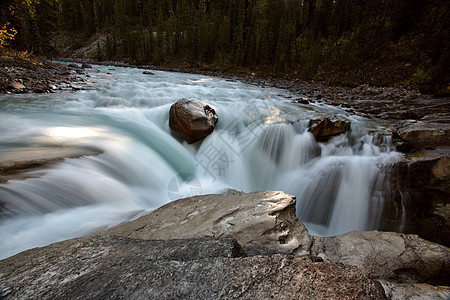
<point>260,143</point>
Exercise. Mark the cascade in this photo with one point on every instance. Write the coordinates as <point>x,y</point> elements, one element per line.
<point>261,142</point>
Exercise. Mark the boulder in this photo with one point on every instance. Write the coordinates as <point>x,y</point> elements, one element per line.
<point>86,66</point>
<point>413,134</point>
<point>16,85</point>
<point>300,101</point>
<point>192,119</point>
<point>265,223</point>
<point>388,255</point>
<point>420,185</point>
<point>325,126</point>
<point>148,73</point>
<point>122,268</point>
<point>262,222</point>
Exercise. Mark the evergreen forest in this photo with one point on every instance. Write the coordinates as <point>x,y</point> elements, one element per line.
<point>348,42</point>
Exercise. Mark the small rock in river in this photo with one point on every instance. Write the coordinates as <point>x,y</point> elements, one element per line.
<point>16,85</point>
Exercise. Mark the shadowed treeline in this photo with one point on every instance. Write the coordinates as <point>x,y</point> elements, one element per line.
<point>344,41</point>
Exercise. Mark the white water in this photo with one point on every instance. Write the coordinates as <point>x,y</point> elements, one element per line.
<point>260,143</point>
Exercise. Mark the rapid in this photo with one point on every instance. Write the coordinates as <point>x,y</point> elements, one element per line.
<point>261,142</point>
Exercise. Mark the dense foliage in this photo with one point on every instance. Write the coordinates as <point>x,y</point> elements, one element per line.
<point>379,41</point>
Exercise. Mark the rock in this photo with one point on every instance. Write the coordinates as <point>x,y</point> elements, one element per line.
<point>262,222</point>
<point>15,163</point>
<point>173,253</point>
<point>325,126</point>
<point>421,134</point>
<point>192,119</point>
<point>423,182</point>
<point>301,101</point>
<point>265,223</point>
<point>388,255</point>
<point>148,73</point>
<point>36,75</point>
<point>400,291</point>
<point>73,66</point>
<point>121,268</point>
<point>398,114</point>
<point>86,66</point>
<point>16,85</point>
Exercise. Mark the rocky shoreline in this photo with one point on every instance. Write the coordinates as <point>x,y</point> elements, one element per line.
<point>29,75</point>
<point>394,103</point>
<point>238,245</point>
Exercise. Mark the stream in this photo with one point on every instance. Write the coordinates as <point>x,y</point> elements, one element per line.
<point>261,142</point>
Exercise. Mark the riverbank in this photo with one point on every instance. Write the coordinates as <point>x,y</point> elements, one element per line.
<point>32,75</point>
<point>26,74</point>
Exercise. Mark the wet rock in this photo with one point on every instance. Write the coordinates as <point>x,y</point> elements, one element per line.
<point>86,66</point>
<point>121,268</point>
<point>15,163</point>
<point>421,134</point>
<point>325,126</point>
<point>301,101</point>
<point>148,73</point>
<point>400,291</point>
<point>398,114</point>
<point>192,119</point>
<point>388,255</point>
<point>16,85</point>
<point>423,179</point>
<point>262,222</point>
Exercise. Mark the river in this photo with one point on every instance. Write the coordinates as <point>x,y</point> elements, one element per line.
<point>261,142</point>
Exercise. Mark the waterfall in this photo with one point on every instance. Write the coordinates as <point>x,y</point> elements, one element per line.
<point>261,142</point>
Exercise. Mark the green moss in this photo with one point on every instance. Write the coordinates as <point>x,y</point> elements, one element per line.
<point>417,154</point>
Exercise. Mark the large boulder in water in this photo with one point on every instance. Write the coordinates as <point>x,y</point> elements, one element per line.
<point>192,119</point>
<point>325,126</point>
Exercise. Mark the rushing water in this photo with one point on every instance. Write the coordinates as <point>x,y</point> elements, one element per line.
<point>260,143</point>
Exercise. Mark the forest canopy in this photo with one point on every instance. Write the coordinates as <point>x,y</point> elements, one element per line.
<point>345,41</point>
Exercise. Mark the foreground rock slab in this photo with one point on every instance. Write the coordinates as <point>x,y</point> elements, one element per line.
<point>173,253</point>
<point>262,222</point>
<point>192,119</point>
<point>265,223</point>
<point>123,268</point>
<point>396,291</point>
<point>388,255</point>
